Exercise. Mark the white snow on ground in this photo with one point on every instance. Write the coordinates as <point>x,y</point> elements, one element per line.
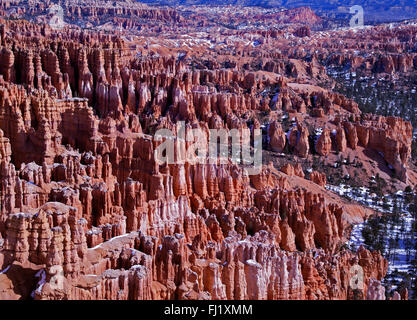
<point>398,259</point>
<point>5,270</point>
<point>40,274</point>
<point>118,237</point>
<point>252,263</point>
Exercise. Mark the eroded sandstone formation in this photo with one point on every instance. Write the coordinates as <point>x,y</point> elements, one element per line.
<point>88,212</point>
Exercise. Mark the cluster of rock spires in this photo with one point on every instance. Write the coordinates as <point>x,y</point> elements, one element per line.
<point>86,212</point>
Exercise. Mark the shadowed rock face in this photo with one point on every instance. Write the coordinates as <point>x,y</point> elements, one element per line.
<point>83,199</point>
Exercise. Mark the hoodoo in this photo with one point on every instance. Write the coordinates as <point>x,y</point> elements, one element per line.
<point>205,152</point>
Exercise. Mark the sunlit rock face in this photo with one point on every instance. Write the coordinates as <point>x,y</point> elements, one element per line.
<point>88,212</point>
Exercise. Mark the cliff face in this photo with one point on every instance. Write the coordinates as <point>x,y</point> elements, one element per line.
<point>135,266</point>
<point>88,212</point>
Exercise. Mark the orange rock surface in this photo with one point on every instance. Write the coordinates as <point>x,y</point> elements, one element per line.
<point>84,200</point>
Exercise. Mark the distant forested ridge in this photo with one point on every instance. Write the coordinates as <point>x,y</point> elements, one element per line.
<point>375,10</point>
